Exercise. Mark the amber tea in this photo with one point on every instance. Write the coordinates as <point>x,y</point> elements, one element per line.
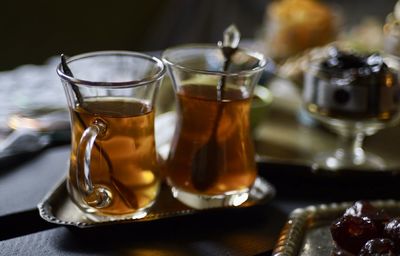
<point>235,167</point>
<point>211,161</point>
<point>124,159</point>
<point>113,172</point>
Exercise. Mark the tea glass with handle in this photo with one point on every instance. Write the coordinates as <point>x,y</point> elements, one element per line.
<point>113,170</point>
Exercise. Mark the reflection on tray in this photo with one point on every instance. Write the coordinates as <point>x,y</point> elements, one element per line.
<point>58,208</point>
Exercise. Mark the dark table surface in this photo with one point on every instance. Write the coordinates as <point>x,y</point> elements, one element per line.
<point>251,231</point>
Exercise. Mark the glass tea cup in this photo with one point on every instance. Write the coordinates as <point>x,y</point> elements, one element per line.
<point>113,172</point>
<point>211,162</point>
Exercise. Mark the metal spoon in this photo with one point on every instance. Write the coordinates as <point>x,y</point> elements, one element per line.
<point>206,160</point>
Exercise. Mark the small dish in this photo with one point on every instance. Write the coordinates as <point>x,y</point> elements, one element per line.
<point>289,138</point>
<point>307,233</point>
<point>57,207</point>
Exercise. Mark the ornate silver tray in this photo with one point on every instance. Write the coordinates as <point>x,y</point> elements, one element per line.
<point>306,233</point>
<point>56,207</point>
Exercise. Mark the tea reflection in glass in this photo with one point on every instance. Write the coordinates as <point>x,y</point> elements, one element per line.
<point>235,167</point>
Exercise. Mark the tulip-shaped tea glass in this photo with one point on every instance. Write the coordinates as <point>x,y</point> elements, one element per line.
<point>211,161</point>
<point>354,96</point>
<point>113,170</point>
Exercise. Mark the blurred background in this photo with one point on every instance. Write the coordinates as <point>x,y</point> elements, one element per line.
<point>33,31</point>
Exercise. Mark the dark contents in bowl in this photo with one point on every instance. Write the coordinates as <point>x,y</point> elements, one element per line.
<point>356,87</point>
<point>339,62</point>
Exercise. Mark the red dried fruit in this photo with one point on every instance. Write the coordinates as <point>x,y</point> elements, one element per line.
<point>366,209</point>
<point>352,232</point>
<point>361,208</point>
<point>378,246</point>
<point>392,230</point>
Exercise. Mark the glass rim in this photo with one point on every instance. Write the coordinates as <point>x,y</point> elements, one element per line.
<point>264,61</point>
<point>122,84</point>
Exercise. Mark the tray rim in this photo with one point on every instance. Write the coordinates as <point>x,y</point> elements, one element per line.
<point>46,213</point>
<point>291,236</point>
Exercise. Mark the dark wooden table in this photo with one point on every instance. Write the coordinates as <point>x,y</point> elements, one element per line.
<point>23,232</point>
<point>251,231</point>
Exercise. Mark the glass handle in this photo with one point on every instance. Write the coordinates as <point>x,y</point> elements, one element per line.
<point>97,196</point>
